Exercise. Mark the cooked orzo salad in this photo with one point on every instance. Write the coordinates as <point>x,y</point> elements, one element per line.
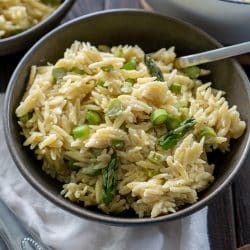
<point>125,130</point>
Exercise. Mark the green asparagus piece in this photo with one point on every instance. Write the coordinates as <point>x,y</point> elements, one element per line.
<point>153,68</point>
<point>173,137</point>
<point>109,179</point>
<point>207,132</point>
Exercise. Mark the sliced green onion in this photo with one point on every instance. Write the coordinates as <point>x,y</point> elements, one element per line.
<point>23,119</point>
<point>131,64</point>
<point>107,68</point>
<point>93,117</point>
<point>207,132</point>
<point>71,165</point>
<point>155,157</point>
<point>81,131</point>
<point>91,171</point>
<point>104,48</point>
<point>159,116</point>
<point>59,73</point>
<point>192,72</point>
<point>126,88</point>
<point>175,88</point>
<point>77,71</point>
<point>114,108</point>
<point>117,144</point>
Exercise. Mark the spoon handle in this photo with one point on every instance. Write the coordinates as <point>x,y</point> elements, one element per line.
<point>212,55</point>
<point>14,234</point>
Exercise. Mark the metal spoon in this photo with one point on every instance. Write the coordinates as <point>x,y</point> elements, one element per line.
<point>212,55</point>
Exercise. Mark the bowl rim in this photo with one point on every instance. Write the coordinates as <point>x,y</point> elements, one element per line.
<point>236,2</point>
<point>50,18</point>
<point>82,211</point>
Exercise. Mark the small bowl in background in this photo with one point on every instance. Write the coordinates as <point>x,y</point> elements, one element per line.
<point>25,39</point>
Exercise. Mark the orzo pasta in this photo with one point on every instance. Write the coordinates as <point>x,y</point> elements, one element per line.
<point>19,15</point>
<point>124,130</point>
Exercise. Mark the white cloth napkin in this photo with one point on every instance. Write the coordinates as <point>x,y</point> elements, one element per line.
<point>63,231</point>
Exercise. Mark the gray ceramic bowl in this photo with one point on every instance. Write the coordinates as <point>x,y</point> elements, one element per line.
<point>27,38</point>
<point>150,31</point>
<point>224,19</point>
